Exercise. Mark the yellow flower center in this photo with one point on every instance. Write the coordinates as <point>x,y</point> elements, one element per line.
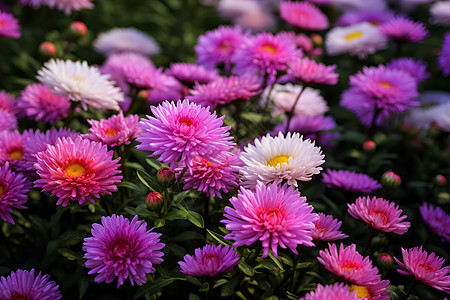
<point>361,291</point>
<point>350,265</point>
<point>2,190</point>
<point>386,85</point>
<point>269,48</point>
<point>111,132</point>
<point>16,155</point>
<point>75,170</point>
<point>280,159</point>
<point>354,35</point>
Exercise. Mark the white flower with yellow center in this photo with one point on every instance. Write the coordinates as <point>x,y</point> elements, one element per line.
<point>278,159</point>
<point>358,40</point>
<point>80,83</point>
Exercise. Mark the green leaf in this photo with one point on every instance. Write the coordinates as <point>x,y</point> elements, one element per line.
<point>91,208</point>
<point>154,286</point>
<point>276,261</point>
<point>267,264</point>
<point>142,211</point>
<point>304,265</point>
<point>84,284</point>
<point>220,238</point>
<point>220,282</point>
<point>291,296</point>
<point>228,288</point>
<point>194,297</point>
<point>272,298</point>
<point>133,165</point>
<point>159,223</point>
<point>148,181</point>
<point>246,269</point>
<point>188,236</point>
<point>69,254</point>
<point>154,163</point>
<point>196,219</point>
<point>175,214</point>
<point>130,185</point>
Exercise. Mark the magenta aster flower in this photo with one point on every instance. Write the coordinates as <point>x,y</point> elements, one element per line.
<point>375,291</point>
<point>38,103</point>
<point>224,90</point>
<point>77,170</point>
<point>13,192</point>
<point>349,265</point>
<point>417,69</point>
<point>218,46</point>
<point>309,71</point>
<point>275,215</point>
<point>425,268</point>
<point>180,131</point>
<point>122,249</point>
<point>8,121</point>
<point>350,181</point>
<point>444,55</point>
<point>67,6</point>
<point>221,174</point>
<point>188,74</point>
<point>337,291</point>
<point>115,131</point>
<point>265,54</point>
<point>23,285</point>
<point>327,229</point>
<point>303,15</point>
<point>210,261</point>
<point>8,102</point>
<point>12,148</point>
<point>9,26</point>
<point>379,214</point>
<point>374,17</point>
<point>437,220</point>
<point>405,29</point>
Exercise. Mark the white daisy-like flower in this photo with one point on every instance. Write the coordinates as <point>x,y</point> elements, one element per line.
<point>277,159</point>
<point>310,103</point>
<point>440,13</point>
<point>68,5</point>
<point>80,83</point>
<point>119,40</point>
<point>360,40</point>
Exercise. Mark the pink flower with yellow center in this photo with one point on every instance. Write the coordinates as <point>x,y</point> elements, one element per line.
<point>327,229</point>
<point>375,291</point>
<point>349,265</point>
<point>337,291</point>
<point>303,15</point>
<point>12,148</point>
<point>77,170</point>
<point>274,215</point>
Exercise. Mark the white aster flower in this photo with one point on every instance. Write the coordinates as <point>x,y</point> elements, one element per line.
<point>68,5</point>
<point>311,103</point>
<point>442,117</point>
<point>80,83</point>
<point>119,40</point>
<point>274,159</point>
<point>440,13</point>
<point>359,40</point>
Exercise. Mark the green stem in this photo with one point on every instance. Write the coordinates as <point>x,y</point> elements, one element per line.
<point>105,206</point>
<point>373,123</point>
<point>410,290</point>
<point>290,114</point>
<point>369,239</point>
<point>180,177</point>
<point>212,281</point>
<point>294,268</point>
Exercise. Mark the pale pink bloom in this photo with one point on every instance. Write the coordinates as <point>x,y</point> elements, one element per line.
<point>303,15</point>
<point>67,6</point>
<point>309,71</point>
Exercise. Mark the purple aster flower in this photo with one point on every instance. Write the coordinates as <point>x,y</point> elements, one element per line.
<point>39,103</point>
<point>122,249</point>
<point>77,170</point>
<point>309,71</point>
<point>265,54</point>
<point>379,214</point>
<point>437,220</point>
<point>417,69</point>
<point>180,131</point>
<point>303,15</point>
<point>188,74</point>
<point>23,285</point>
<point>224,90</point>
<point>337,291</point>
<point>8,102</point>
<point>13,192</point>
<point>218,46</point>
<point>210,261</point>
<point>8,121</point>
<point>12,149</point>
<point>444,55</point>
<point>327,229</point>
<point>374,17</point>
<point>220,174</point>
<point>115,131</point>
<point>350,181</point>
<point>9,26</point>
<point>275,215</point>
<point>404,29</point>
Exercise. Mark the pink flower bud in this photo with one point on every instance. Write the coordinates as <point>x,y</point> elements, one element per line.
<point>440,180</point>
<point>154,200</point>
<point>384,260</point>
<point>390,180</point>
<point>369,146</point>
<point>78,29</point>
<point>165,177</point>
<point>47,49</point>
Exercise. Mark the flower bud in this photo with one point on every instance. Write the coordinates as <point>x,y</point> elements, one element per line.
<point>47,49</point>
<point>384,261</point>
<point>78,29</point>
<point>390,180</point>
<point>154,200</point>
<point>369,146</point>
<point>165,177</point>
<point>440,180</point>
<point>142,95</point>
<point>316,39</point>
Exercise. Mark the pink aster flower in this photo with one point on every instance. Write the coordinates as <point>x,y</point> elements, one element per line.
<point>444,55</point>
<point>337,291</point>
<point>8,121</point>
<point>275,215</point>
<point>405,29</point>
<point>210,261</point>
<point>350,181</point>
<point>327,229</point>
<point>303,15</point>
<point>374,17</point>
<point>437,220</point>
<point>417,69</point>
<point>9,26</point>
<point>309,71</point>
<point>39,103</point>
<point>67,6</point>
<point>379,214</point>
<point>122,249</point>
<point>77,170</point>
<point>221,174</point>
<point>265,54</point>
<point>8,102</point>
<point>377,291</point>
<point>224,90</point>
<point>425,268</point>
<point>218,46</point>
<point>188,74</point>
<point>13,192</point>
<point>349,265</point>
<point>12,148</point>
<point>23,285</point>
<point>115,131</point>
<point>180,131</point>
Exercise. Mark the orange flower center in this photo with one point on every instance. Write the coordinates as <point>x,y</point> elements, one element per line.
<point>17,154</point>
<point>280,159</point>
<point>350,265</point>
<point>186,121</point>
<point>353,36</point>
<point>386,85</point>
<point>361,291</point>
<point>2,190</point>
<point>111,132</point>
<point>427,268</point>
<point>75,170</point>
<point>382,216</point>
<point>269,48</point>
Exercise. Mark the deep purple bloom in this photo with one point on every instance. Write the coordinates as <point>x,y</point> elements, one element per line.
<point>8,121</point>
<point>350,181</point>
<point>23,285</point>
<point>327,229</point>
<point>403,28</point>
<point>444,55</point>
<point>374,17</point>
<point>417,69</point>
<point>437,220</point>
<point>13,192</point>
